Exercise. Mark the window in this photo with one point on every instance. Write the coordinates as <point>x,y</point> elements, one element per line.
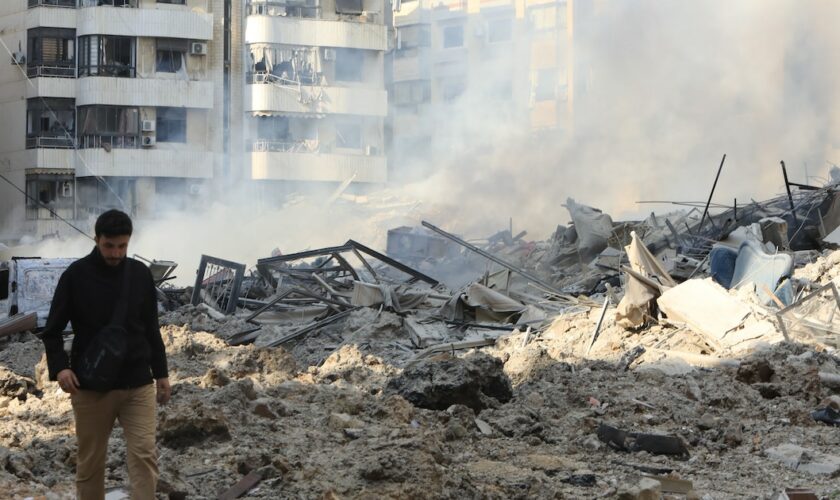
<point>348,135</point>
<point>171,125</point>
<point>51,47</point>
<point>273,128</point>
<point>349,64</point>
<point>352,7</point>
<point>53,191</point>
<point>410,37</point>
<point>107,56</point>
<point>542,18</point>
<point>453,36</point>
<point>113,3</point>
<point>115,126</point>
<point>171,55</point>
<point>406,93</point>
<point>50,123</point>
<point>499,30</point>
<point>176,2</point>
<point>545,84</point>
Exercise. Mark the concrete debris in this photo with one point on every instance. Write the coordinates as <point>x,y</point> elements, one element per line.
<point>805,459</point>
<point>700,345</point>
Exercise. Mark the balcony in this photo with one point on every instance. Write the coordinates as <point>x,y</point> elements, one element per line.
<point>52,87</point>
<point>150,92</point>
<point>281,97</point>
<point>316,33</point>
<point>128,162</point>
<point>317,167</point>
<point>162,23</point>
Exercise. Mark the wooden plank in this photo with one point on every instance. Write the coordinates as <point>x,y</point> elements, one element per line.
<point>242,487</point>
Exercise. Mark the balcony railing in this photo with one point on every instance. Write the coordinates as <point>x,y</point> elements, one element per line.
<point>51,71</point>
<point>68,4</point>
<point>109,142</point>
<point>263,77</point>
<point>50,142</point>
<point>284,146</point>
<point>285,8</point>
<point>111,3</point>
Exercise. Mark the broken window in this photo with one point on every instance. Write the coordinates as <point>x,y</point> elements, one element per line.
<point>101,55</point>
<point>49,192</point>
<point>171,125</point>
<point>50,123</point>
<point>352,7</point>
<point>453,36</point>
<point>499,30</point>
<point>414,36</point>
<point>171,55</point>
<point>545,84</point>
<point>112,126</point>
<point>51,52</point>
<point>348,135</point>
<point>349,64</point>
<point>273,128</point>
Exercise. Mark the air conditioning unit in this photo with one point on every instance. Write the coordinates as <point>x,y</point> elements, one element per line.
<point>198,49</point>
<point>329,54</point>
<point>149,141</point>
<point>196,189</point>
<point>18,58</point>
<point>147,126</point>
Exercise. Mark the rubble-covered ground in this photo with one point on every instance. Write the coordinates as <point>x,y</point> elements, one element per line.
<point>342,416</point>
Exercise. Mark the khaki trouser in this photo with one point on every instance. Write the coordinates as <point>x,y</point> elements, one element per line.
<point>95,413</point>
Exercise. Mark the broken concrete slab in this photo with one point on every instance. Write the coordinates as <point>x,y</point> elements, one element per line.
<point>425,334</point>
<point>440,382</point>
<point>805,459</point>
<point>706,308</point>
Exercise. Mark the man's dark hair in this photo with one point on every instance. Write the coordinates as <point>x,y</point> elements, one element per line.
<point>113,223</point>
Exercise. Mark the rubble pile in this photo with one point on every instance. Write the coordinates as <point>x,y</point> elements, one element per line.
<point>689,355</point>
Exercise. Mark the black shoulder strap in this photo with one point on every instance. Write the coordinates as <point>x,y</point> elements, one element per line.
<point>121,309</point>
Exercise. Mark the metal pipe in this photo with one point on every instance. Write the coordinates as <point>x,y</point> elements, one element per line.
<point>491,257</point>
<point>706,211</point>
<point>790,196</point>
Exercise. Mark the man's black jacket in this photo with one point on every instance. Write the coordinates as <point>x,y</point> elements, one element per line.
<point>86,296</point>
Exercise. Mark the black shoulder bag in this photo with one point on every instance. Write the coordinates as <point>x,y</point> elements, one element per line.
<point>104,356</point>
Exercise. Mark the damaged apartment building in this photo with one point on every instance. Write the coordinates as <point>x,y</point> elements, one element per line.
<point>515,59</point>
<point>107,103</point>
<point>315,99</point>
<point>147,105</point>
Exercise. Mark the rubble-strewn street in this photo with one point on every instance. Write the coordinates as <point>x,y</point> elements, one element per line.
<point>684,356</point>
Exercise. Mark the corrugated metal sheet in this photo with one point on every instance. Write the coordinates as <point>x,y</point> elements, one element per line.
<point>316,32</point>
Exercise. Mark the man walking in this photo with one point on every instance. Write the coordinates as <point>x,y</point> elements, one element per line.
<point>88,294</point>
